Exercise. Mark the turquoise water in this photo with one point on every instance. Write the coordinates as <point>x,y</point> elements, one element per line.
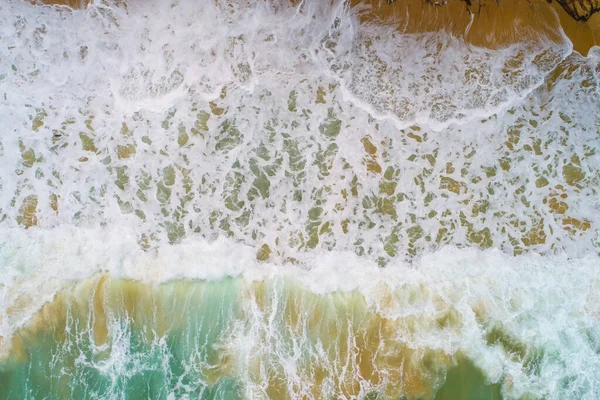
<point>186,340</point>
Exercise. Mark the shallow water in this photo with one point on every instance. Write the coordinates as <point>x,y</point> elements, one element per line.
<point>260,200</point>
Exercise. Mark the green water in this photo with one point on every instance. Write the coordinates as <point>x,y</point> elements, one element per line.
<point>111,339</point>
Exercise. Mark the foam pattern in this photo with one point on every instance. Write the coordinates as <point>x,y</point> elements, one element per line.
<point>294,128</point>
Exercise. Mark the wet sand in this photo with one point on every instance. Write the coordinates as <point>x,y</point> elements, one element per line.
<point>486,23</point>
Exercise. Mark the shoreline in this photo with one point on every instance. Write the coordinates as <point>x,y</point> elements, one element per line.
<point>482,23</point>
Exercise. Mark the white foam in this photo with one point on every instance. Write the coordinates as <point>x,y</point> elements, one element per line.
<point>69,254</point>
<point>153,67</point>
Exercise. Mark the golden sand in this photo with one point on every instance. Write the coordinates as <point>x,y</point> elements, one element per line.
<point>486,23</point>
<point>69,3</point>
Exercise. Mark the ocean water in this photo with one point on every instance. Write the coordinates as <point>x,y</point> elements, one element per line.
<point>267,200</point>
